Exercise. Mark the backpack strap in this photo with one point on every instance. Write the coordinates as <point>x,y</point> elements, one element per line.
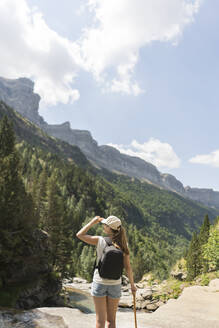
<point>108,241</point>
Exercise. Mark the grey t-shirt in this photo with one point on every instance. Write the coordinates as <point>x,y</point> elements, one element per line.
<point>96,277</point>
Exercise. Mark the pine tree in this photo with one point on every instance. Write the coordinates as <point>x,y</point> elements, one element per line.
<point>193,262</point>
<point>204,231</point>
<point>53,218</point>
<point>40,195</point>
<point>15,204</point>
<point>17,217</point>
<point>56,224</point>
<point>203,239</point>
<point>87,259</point>
<point>211,248</point>
<point>7,138</point>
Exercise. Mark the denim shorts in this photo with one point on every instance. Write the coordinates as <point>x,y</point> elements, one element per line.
<point>100,290</point>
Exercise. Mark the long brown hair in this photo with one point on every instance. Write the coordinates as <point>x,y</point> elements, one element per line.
<point>119,239</point>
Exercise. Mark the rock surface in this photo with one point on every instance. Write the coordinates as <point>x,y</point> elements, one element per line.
<point>18,93</point>
<point>197,307</point>
<point>30,319</point>
<point>32,278</point>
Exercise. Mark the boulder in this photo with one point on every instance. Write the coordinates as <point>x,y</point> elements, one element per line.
<point>125,280</point>
<point>147,277</point>
<point>78,280</point>
<point>214,285</point>
<point>125,289</point>
<point>32,279</point>
<point>126,301</point>
<point>42,292</point>
<point>177,275</point>
<point>152,306</point>
<point>145,303</point>
<point>140,285</point>
<point>146,293</point>
<point>10,318</point>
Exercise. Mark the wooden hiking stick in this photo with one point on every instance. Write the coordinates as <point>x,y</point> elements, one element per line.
<point>134,308</point>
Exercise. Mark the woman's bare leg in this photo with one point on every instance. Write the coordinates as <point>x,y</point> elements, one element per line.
<point>100,307</point>
<point>112,305</point>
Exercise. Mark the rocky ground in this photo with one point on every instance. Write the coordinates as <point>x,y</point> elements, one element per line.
<point>196,307</point>
<point>145,297</point>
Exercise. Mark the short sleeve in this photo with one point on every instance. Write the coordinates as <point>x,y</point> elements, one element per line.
<point>100,247</point>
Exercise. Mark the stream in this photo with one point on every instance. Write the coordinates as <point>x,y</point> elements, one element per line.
<point>81,300</point>
<point>84,301</point>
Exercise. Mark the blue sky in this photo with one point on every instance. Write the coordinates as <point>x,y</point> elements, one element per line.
<point>142,76</point>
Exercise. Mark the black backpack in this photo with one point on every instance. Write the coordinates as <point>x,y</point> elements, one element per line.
<point>110,265</point>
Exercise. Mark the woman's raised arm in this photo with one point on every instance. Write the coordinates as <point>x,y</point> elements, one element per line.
<point>82,234</point>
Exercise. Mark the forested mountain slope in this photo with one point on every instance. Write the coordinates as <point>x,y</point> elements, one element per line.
<point>27,131</point>
<point>179,215</point>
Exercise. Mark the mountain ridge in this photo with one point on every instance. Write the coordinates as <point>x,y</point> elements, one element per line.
<point>19,94</point>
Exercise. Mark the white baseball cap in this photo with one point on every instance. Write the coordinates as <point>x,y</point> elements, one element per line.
<point>113,222</point>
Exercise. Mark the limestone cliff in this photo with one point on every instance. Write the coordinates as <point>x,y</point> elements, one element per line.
<point>207,196</point>
<point>19,94</point>
<point>80,138</point>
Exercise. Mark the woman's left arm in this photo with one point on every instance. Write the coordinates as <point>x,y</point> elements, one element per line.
<point>92,240</point>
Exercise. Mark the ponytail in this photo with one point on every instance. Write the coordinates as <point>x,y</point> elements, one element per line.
<point>119,239</point>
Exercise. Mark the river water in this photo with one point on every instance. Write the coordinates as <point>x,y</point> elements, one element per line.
<point>81,300</point>
<point>84,301</point>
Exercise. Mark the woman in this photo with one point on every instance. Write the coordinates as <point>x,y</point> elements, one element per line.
<point>107,292</point>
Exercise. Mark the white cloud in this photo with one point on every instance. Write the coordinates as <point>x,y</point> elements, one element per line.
<point>109,48</point>
<point>211,159</point>
<point>30,48</point>
<point>122,27</point>
<point>154,151</point>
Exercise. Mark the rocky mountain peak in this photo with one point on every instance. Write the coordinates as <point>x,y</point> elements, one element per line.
<point>173,184</point>
<point>18,93</point>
